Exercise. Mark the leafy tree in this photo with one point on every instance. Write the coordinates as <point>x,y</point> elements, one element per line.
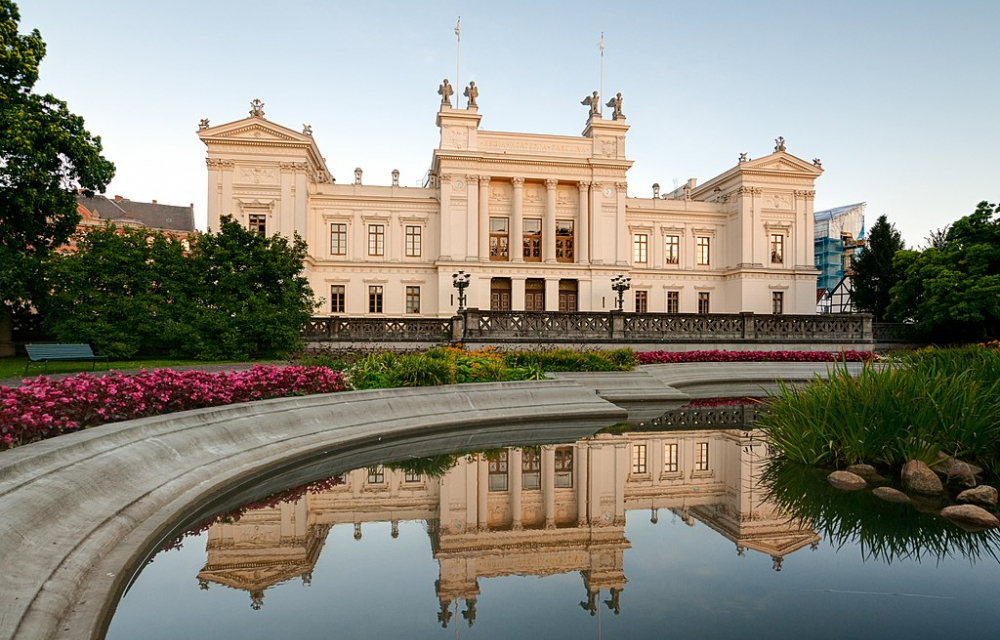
<point>235,294</point>
<point>874,273</point>
<point>252,299</point>
<point>952,289</point>
<point>46,155</point>
<point>124,291</point>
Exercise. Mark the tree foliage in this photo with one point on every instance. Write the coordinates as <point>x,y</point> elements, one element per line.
<point>46,155</point>
<point>874,273</point>
<point>952,289</point>
<point>234,294</point>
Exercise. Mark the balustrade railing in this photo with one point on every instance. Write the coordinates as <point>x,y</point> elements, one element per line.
<point>338,329</point>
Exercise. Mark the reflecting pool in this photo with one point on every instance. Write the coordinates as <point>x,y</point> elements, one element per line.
<point>644,533</point>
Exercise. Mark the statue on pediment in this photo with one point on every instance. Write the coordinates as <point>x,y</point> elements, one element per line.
<point>594,101</point>
<point>616,104</point>
<point>445,92</point>
<point>779,143</point>
<point>256,108</point>
<point>471,92</point>
<point>744,158</point>
<point>203,123</point>
<point>307,129</point>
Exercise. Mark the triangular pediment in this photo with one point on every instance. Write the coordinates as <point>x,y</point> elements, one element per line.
<point>253,129</point>
<point>781,162</point>
<point>256,577</point>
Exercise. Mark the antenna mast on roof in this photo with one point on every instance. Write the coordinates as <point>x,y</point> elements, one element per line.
<point>458,59</point>
<point>600,45</point>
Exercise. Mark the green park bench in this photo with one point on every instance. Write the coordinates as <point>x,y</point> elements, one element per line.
<point>60,353</point>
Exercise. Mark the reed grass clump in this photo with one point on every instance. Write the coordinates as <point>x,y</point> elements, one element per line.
<point>931,401</point>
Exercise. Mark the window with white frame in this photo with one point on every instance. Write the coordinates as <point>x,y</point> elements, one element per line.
<point>338,238</point>
<point>640,244</point>
<point>413,240</point>
<point>703,250</point>
<point>672,249</point>
<point>376,239</point>
<point>638,458</point>
<point>670,464</point>
<point>777,248</point>
<point>701,456</point>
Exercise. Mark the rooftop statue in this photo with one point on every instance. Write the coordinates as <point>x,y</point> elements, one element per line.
<point>445,92</point>
<point>779,143</point>
<point>616,104</point>
<point>256,108</point>
<point>471,92</point>
<point>595,104</point>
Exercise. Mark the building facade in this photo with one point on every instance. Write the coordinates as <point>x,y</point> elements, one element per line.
<point>541,222</point>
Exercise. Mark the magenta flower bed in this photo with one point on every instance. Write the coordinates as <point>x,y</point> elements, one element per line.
<point>665,357</point>
<point>43,408</point>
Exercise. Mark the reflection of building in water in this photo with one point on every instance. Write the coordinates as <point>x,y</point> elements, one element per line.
<point>531,511</point>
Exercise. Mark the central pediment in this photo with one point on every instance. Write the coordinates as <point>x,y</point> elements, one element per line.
<point>253,130</point>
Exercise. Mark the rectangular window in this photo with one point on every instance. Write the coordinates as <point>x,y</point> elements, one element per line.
<point>498,471</point>
<point>640,243</point>
<point>564,467</point>
<point>532,239</point>
<point>641,301</point>
<point>338,238</point>
<point>531,469</point>
<point>703,302</point>
<point>338,295</point>
<point>701,456</point>
<point>376,474</point>
<point>413,241</point>
<point>672,250</point>
<point>564,241</point>
<point>375,299</point>
<point>412,299</point>
<point>670,458</point>
<point>258,223</point>
<point>777,248</point>
<point>638,458</point>
<point>703,252</point>
<point>376,240</point>
<point>673,302</point>
<point>412,477</point>
<point>777,302</point>
<point>499,239</point>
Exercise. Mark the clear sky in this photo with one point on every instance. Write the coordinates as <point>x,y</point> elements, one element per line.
<point>898,98</point>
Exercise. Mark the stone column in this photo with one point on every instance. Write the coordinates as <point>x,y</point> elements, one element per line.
<point>517,293</point>
<point>549,485</point>
<point>552,294</point>
<point>621,227</point>
<point>445,187</point>
<point>549,225</point>
<point>471,217</point>
<point>483,468</point>
<point>514,469</point>
<point>517,222</point>
<point>583,225</point>
<point>484,218</point>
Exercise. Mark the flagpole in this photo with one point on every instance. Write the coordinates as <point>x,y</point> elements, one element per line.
<point>458,62</point>
<point>601,94</point>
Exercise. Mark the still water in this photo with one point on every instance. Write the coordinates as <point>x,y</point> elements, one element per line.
<point>642,534</point>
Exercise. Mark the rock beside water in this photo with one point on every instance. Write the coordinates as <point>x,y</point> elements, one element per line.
<point>955,472</point>
<point>918,478</point>
<point>847,481</point>
<point>970,517</point>
<point>891,495</point>
<point>983,494</point>
<point>866,471</point>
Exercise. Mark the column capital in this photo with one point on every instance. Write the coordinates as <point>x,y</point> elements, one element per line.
<point>550,183</point>
<point>445,178</point>
<point>484,180</point>
<point>583,185</point>
<point>517,182</point>
<point>472,178</point>
<point>621,186</point>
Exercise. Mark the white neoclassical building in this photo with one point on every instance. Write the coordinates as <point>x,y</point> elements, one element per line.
<point>541,222</point>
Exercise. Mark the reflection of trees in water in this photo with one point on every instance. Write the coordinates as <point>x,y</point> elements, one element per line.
<point>884,531</point>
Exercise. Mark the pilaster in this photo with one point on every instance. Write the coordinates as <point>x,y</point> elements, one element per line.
<point>549,224</point>
<point>517,222</point>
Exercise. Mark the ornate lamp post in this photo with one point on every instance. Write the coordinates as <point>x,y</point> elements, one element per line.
<point>460,281</point>
<point>621,284</point>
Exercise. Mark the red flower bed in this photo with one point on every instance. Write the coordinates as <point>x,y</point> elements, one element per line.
<point>665,357</point>
<point>43,408</point>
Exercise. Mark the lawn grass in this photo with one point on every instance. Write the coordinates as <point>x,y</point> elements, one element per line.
<point>14,367</point>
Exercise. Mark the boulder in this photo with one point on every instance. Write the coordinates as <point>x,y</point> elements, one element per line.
<point>891,495</point>
<point>956,472</point>
<point>970,517</point>
<point>847,481</point>
<point>918,478</point>
<point>982,494</point>
<point>866,471</point>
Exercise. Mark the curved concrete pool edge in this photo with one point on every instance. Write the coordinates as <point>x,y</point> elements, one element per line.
<point>81,511</point>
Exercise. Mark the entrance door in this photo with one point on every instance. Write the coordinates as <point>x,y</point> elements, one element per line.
<point>534,294</point>
<point>568,295</point>
<point>500,294</point>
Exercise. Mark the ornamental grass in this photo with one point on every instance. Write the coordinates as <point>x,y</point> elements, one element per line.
<point>42,408</point>
<point>931,401</point>
<point>717,355</point>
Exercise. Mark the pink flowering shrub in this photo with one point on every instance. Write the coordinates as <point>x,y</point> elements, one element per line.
<point>666,357</point>
<point>43,408</point>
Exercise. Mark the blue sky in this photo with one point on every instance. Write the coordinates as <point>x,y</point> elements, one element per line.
<point>897,97</point>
